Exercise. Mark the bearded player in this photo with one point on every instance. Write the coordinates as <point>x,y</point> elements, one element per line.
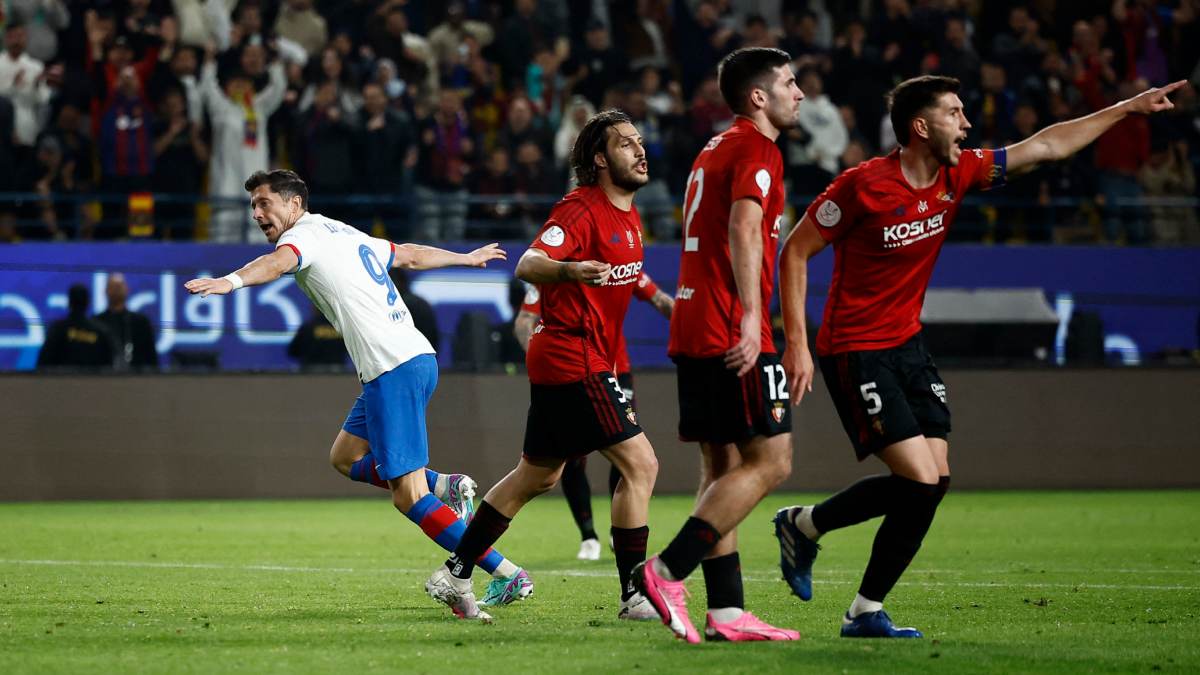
<point>733,397</point>
<point>887,219</point>
<point>585,262</point>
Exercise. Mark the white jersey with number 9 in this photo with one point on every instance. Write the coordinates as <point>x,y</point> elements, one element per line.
<point>345,273</point>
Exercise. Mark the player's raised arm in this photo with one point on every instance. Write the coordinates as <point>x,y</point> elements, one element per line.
<point>262,270</point>
<point>803,243</point>
<point>1059,141</point>
<point>418,257</point>
<point>536,267</point>
<point>745,253</point>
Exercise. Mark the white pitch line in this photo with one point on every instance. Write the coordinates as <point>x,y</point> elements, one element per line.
<point>570,573</point>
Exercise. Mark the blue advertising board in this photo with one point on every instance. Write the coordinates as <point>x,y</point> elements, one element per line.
<point>1149,299</point>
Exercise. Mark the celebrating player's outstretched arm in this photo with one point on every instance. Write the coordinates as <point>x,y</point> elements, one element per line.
<point>1059,141</point>
<point>418,257</point>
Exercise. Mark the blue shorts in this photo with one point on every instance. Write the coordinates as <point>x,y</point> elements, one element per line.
<point>390,414</point>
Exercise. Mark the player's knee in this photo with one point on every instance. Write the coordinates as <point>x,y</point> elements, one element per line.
<point>779,468</point>
<point>340,463</point>
<point>645,469</point>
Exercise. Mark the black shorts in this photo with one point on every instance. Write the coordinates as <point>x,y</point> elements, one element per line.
<point>626,382</point>
<point>571,420</point>
<point>716,406</point>
<point>886,396</point>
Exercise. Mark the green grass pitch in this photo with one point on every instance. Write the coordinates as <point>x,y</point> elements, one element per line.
<point>1006,583</point>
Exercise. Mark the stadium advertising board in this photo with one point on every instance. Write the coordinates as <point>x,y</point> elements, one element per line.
<point>1148,299</point>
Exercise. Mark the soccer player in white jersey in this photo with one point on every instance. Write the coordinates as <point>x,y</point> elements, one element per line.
<point>345,273</point>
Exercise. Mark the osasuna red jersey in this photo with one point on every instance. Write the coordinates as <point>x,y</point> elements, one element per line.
<point>580,327</point>
<point>643,290</point>
<point>740,163</point>
<point>886,236</point>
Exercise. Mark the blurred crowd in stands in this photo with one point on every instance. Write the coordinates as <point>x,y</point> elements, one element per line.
<point>452,120</point>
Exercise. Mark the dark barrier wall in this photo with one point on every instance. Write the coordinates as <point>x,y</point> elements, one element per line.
<point>268,436</point>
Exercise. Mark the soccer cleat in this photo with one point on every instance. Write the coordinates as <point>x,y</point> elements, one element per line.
<point>507,590</point>
<point>796,554</point>
<point>669,599</point>
<point>875,625</point>
<point>455,594</point>
<point>589,549</point>
<point>745,628</point>
<point>460,495</point>
<point>637,608</point>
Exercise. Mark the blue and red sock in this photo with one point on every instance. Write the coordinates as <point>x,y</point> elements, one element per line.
<point>441,524</point>
<point>364,471</point>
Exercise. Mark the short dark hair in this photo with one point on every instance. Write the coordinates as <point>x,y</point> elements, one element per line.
<point>282,182</point>
<point>745,69</point>
<point>912,96</point>
<point>593,138</point>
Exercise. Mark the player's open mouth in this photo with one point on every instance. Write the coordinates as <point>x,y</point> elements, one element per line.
<point>641,167</point>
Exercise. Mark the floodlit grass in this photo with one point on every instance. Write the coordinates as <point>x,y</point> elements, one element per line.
<point>1006,582</point>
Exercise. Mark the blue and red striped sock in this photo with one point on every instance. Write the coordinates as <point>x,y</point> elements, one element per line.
<point>441,524</point>
<point>364,471</point>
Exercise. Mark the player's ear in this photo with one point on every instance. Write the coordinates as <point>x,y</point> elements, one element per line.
<point>758,97</point>
<point>920,127</point>
<point>601,160</point>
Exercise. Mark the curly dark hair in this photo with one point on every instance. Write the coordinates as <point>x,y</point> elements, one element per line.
<point>282,182</point>
<point>592,139</point>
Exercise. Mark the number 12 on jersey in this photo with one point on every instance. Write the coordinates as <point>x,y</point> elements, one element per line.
<point>691,204</point>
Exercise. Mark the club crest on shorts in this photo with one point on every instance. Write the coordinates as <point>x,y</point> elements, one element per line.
<point>877,426</point>
<point>777,412</point>
<point>631,416</point>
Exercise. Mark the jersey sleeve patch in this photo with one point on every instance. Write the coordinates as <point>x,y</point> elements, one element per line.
<point>553,236</point>
<point>829,214</point>
<point>763,179</point>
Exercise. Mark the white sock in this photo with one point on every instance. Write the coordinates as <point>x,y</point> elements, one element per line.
<point>662,570</point>
<point>725,614</point>
<point>505,569</point>
<point>862,605</point>
<point>439,486</point>
<point>802,519</point>
<point>460,585</point>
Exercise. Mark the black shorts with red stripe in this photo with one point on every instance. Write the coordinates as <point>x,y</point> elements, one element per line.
<point>717,406</point>
<point>886,396</point>
<point>571,420</point>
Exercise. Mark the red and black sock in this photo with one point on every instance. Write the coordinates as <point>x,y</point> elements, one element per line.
<point>723,581</point>
<point>629,547</point>
<point>695,539</point>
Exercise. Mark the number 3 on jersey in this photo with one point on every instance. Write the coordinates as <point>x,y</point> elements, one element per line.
<point>690,205</point>
<point>378,272</point>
